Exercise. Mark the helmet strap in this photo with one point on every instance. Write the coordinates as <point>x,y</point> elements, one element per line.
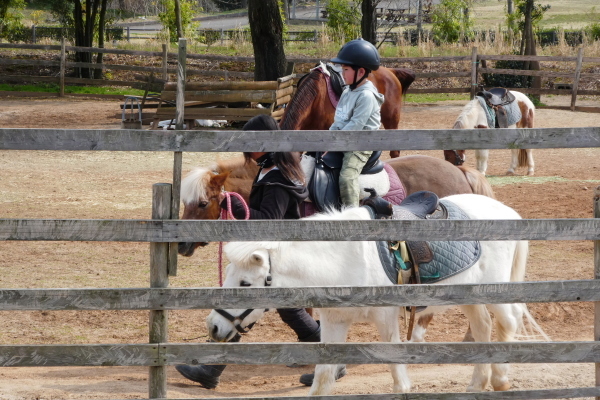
<point>355,84</point>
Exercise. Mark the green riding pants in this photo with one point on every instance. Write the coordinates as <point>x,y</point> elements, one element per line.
<point>354,161</point>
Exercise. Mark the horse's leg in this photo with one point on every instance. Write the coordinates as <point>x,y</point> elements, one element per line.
<point>509,318</point>
<point>481,327</point>
<point>530,163</point>
<point>418,333</point>
<point>332,330</point>
<point>481,160</point>
<point>390,332</point>
<point>514,161</point>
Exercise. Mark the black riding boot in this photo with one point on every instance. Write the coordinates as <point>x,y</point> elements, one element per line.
<point>307,379</point>
<point>206,375</point>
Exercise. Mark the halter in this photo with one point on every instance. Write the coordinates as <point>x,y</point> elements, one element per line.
<point>458,160</point>
<point>237,321</point>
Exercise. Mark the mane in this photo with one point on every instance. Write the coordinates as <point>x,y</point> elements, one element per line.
<point>351,213</point>
<point>303,99</point>
<point>466,115</point>
<point>193,186</point>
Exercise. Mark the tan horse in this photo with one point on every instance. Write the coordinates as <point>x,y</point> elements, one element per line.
<point>201,187</point>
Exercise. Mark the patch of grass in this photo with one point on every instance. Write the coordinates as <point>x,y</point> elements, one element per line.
<point>53,88</point>
<point>512,180</point>
<point>434,97</point>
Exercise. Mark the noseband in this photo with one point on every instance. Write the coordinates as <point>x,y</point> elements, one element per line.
<point>237,321</point>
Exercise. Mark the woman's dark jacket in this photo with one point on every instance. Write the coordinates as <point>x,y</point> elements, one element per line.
<point>273,197</point>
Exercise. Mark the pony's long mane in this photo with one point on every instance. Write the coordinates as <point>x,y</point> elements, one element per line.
<point>195,183</point>
<point>466,118</point>
<point>306,92</point>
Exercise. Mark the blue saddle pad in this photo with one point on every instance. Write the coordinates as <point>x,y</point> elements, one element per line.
<point>449,258</point>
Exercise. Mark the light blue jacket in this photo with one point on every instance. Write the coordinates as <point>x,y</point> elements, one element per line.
<point>358,109</point>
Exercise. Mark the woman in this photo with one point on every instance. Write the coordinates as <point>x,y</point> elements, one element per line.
<point>277,192</point>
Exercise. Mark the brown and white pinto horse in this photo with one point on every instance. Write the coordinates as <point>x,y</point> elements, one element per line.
<point>201,187</point>
<point>311,109</point>
<point>474,116</point>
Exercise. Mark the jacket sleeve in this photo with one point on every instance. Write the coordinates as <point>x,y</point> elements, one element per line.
<point>364,108</point>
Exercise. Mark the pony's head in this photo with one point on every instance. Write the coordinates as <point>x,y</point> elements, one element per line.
<point>250,266</point>
<point>200,196</point>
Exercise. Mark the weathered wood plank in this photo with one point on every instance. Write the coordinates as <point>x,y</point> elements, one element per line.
<point>79,355</point>
<point>229,85</point>
<point>305,230</point>
<point>301,353</point>
<point>318,297</point>
<point>508,395</point>
<point>223,141</point>
<point>227,96</point>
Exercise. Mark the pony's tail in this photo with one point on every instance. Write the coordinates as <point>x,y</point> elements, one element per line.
<point>405,76</point>
<point>522,158</point>
<point>517,273</point>
<point>479,184</point>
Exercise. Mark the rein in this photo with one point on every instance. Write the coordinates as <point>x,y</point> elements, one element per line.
<point>228,215</point>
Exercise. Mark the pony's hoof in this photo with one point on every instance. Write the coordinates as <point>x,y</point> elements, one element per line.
<point>510,173</point>
<point>529,173</point>
<point>502,388</point>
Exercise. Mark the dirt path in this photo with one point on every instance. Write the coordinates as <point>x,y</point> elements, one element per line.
<point>118,185</point>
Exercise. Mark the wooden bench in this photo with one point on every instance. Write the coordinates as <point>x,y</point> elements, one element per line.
<point>217,100</point>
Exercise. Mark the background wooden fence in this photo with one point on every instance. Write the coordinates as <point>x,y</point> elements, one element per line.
<point>469,69</point>
<point>164,229</point>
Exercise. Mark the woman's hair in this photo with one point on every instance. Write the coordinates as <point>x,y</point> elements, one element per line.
<point>287,162</point>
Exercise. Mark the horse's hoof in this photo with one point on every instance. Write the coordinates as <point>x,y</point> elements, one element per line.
<point>502,388</point>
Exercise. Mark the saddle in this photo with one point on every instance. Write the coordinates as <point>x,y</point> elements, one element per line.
<point>324,187</point>
<point>496,99</point>
<point>336,80</point>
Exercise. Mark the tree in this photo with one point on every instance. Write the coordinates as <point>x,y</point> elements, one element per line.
<point>10,18</point>
<point>368,22</point>
<point>451,19</point>
<point>266,29</point>
<point>83,18</point>
<point>179,23</point>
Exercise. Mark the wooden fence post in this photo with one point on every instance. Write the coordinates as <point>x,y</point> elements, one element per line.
<point>577,76</point>
<point>473,72</point>
<point>33,38</point>
<point>159,256</point>
<point>597,276</point>
<point>128,34</point>
<point>63,61</point>
<point>165,55</point>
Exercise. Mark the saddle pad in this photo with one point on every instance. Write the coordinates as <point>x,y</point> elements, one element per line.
<point>397,192</point>
<point>449,258</point>
<point>513,112</point>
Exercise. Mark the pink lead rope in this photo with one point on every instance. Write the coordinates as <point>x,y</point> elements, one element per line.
<point>228,215</point>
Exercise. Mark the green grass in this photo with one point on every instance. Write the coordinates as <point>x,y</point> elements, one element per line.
<point>434,97</point>
<point>52,88</point>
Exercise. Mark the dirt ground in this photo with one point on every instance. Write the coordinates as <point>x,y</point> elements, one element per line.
<point>43,184</point>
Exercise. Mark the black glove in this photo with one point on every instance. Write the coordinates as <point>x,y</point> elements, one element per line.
<point>378,204</point>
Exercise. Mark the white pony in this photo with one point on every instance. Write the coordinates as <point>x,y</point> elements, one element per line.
<point>473,115</point>
<point>301,264</point>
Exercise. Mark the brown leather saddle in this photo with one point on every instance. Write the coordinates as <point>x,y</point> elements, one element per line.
<point>496,99</point>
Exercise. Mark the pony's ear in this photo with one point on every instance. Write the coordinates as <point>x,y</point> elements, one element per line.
<point>258,258</point>
<point>217,181</point>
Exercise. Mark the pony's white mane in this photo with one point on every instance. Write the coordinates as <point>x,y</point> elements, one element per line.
<point>467,115</point>
<point>193,186</point>
<point>347,213</point>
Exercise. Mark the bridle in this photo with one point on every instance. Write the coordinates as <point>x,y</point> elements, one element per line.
<point>458,160</point>
<point>237,321</point>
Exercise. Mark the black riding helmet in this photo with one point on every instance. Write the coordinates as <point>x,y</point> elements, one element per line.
<point>359,53</point>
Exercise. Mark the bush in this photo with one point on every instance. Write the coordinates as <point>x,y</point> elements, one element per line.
<point>510,81</point>
<point>451,21</point>
<point>343,23</point>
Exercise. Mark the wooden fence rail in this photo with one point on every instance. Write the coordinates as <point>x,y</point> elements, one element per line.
<point>473,70</point>
<point>161,230</point>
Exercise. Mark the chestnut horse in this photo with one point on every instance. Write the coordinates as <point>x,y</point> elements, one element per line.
<point>311,109</point>
<point>474,116</point>
<point>201,187</point>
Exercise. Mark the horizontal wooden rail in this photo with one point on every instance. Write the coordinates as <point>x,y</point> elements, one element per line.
<point>224,141</point>
<point>509,395</point>
<point>305,230</point>
<point>274,297</point>
<point>300,353</point>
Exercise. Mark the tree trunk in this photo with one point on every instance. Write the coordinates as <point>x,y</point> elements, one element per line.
<point>101,36</point>
<point>178,19</point>
<point>266,28</point>
<point>528,45</point>
<point>509,6</point>
<point>368,23</point>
